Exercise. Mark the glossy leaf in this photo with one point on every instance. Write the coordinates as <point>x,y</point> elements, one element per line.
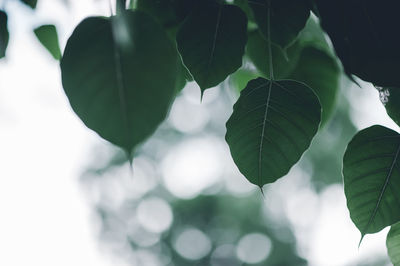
<point>287,17</point>
<point>320,71</point>
<point>271,126</point>
<point>364,36</point>
<point>4,34</point>
<point>31,3</point>
<point>393,244</point>
<point>211,42</point>
<point>120,76</point>
<point>283,61</point>
<point>372,178</point>
<point>48,37</point>
<point>390,98</point>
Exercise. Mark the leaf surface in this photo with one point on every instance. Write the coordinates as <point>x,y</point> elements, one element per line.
<point>393,244</point>
<point>320,71</point>
<point>211,42</point>
<point>287,18</point>
<point>271,126</point>
<point>31,3</point>
<point>283,62</point>
<point>120,76</point>
<point>4,34</point>
<point>48,37</point>
<point>372,178</point>
<point>364,36</point>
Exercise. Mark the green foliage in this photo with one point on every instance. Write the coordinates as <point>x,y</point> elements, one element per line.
<point>48,37</point>
<point>326,85</point>
<point>363,37</point>
<point>4,35</point>
<point>283,61</point>
<point>31,3</point>
<point>120,76</point>
<point>272,124</point>
<point>284,18</point>
<point>372,178</point>
<point>211,42</point>
<point>393,244</point>
<point>122,73</point>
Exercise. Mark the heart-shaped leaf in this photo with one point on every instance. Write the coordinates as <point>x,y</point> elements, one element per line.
<point>271,126</point>
<point>47,35</point>
<point>4,34</point>
<point>287,18</point>
<point>393,244</point>
<point>120,76</point>
<point>211,42</point>
<point>372,178</point>
<point>364,36</point>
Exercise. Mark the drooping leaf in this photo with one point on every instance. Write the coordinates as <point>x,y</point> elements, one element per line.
<point>31,3</point>
<point>211,42</point>
<point>4,34</point>
<point>393,244</point>
<point>120,76</point>
<point>372,178</point>
<point>390,98</point>
<point>283,62</point>
<point>271,126</point>
<point>364,36</point>
<point>287,18</point>
<point>48,37</point>
<point>320,71</point>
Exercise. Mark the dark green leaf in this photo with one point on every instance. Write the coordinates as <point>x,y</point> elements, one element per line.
<point>120,76</point>
<point>320,71</point>
<point>390,98</point>
<point>31,3</point>
<point>241,77</point>
<point>283,62</point>
<point>4,35</point>
<point>372,178</point>
<point>48,37</point>
<point>365,38</point>
<point>393,244</point>
<point>287,18</point>
<point>272,124</point>
<point>211,42</point>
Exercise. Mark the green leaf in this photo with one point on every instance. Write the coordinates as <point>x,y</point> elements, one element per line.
<point>364,38</point>
<point>120,76</point>
<point>287,17</point>
<point>4,34</point>
<point>390,98</point>
<point>48,37</point>
<point>271,126</point>
<point>283,61</point>
<point>372,178</point>
<point>241,77</point>
<point>393,244</point>
<point>211,42</point>
<point>31,3</point>
<point>320,71</point>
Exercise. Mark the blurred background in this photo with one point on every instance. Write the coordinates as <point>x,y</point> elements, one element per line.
<point>69,198</point>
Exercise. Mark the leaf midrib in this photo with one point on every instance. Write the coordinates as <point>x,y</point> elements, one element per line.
<point>263,133</point>
<point>383,190</point>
